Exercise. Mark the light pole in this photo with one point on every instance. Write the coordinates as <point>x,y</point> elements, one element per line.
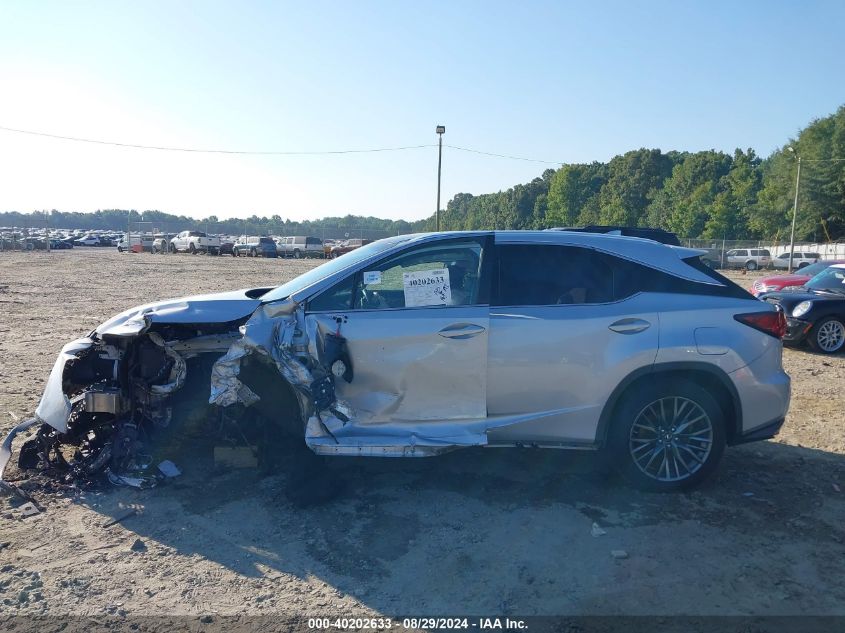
<point>794,210</point>
<point>441,130</point>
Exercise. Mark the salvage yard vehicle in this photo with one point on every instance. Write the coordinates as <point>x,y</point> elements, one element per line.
<point>748,258</point>
<point>800,259</point>
<point>420,344</point>
<point>815,313</point>
<point>254,246</point>
<point>346,246</point>
<point>796,279</point>
<point>194,242</point>
<point>300,246</point>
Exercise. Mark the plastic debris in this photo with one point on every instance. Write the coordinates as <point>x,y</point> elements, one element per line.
<point>169,469</point>
<point>596,530</point>
<point>120,517</point>
<point>619,554</point>
<point>29,509</point>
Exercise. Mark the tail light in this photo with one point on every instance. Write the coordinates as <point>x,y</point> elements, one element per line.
<point>771,323</point>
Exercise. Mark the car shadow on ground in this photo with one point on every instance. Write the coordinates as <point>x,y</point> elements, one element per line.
<point>517,524</point>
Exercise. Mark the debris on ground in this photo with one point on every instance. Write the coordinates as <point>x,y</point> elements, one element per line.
<point>120,517</point>
<point>619,554</point>
<point>29,509</point>
<point>596,530</point>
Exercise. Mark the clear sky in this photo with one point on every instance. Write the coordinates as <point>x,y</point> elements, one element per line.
<point>557,81</point>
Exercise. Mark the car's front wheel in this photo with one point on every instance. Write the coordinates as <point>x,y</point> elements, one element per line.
<point>828,335</point>
<point>668,436</point>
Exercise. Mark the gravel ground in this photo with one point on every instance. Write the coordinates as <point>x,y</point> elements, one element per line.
<point>479,531</point>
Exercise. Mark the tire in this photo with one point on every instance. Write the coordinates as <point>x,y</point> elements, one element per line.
<point>172,248</point>
<point>252,253</point>
<point>802,265</point>
<point>192,249</point>
<point>672,460</point>
<point>297,254</point>
<point>827,336</point>
<point>751,265</point>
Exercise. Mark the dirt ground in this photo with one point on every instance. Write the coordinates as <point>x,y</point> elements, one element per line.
<point>481,531</point>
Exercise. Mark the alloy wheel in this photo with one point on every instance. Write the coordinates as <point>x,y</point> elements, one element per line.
<point>671,439</point>
<point>831,336</point>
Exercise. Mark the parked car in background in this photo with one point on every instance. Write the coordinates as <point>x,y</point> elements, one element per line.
<point>59,245</point>
<point>793,281</point>
<point>800,259</point>
<point>714,258</point>
<point>142,241</point>
<point>301,246</point>
<point>346,246</point>
<point>816,312</point>
<point>254,246</point>
<point>227,244</point>
<point>195,242</point>
<point>748,258</point>
<point>515,339</point>
<point>89,240</point>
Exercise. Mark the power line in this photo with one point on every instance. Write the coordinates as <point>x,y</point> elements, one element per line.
<point>195,150</point>
<point>530,160</point>
<point>211,151</point>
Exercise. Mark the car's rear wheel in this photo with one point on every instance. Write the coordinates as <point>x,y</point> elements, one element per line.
<point>192,249</point>
<point>669,436</point>
<point>297,254</point>
<point>752,265</point>
<point>828,335</point>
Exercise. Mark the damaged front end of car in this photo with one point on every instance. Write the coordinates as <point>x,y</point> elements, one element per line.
<point>110,394</point>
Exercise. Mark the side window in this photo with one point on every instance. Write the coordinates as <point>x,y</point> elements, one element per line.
<point>338,297</point>
<point>553,275</point>
<point>440,274</point>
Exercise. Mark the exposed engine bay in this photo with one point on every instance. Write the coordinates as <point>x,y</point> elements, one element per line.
<point>111,395</point>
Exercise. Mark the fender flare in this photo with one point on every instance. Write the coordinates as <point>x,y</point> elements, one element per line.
<point>605,419</point>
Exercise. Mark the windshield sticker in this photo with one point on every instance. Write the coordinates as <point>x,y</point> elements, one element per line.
<point>372,277</point>
<point>427,288</point>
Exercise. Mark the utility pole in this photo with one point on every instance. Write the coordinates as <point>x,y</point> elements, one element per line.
<point>794,212</point>
<point>441,130</point>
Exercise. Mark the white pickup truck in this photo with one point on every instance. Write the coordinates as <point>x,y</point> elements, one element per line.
<point>195,242</point>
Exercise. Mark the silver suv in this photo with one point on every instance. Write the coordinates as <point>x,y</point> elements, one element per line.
<point>420,344</point>
<point>749,258</point>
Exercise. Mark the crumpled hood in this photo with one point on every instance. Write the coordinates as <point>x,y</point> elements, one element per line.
<point>220,307</point>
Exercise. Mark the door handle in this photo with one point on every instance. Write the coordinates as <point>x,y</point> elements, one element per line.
<point>461,330</point>
<point>629,326</point>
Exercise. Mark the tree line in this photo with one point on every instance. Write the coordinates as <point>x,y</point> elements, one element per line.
<point>707,194</point>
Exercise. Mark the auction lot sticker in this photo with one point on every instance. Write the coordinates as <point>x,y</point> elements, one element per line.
<point>427,288</point>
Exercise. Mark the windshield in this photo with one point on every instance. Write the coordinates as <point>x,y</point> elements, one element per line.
<point>331,267</point>
<point>813,269</point>
<point>830,280</point>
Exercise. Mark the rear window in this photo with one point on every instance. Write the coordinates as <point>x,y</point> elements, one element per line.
<point>196,234</point>
<point>266,240</point>
<point>315,241</point>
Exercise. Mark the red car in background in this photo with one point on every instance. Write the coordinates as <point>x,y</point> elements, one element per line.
<point>779,282</point>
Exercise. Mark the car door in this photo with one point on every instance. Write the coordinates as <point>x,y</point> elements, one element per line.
<point>416,326</point>
<point>562,337</point>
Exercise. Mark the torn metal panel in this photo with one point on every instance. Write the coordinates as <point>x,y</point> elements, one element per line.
<point>6,447</point>
<point>54,407</point>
